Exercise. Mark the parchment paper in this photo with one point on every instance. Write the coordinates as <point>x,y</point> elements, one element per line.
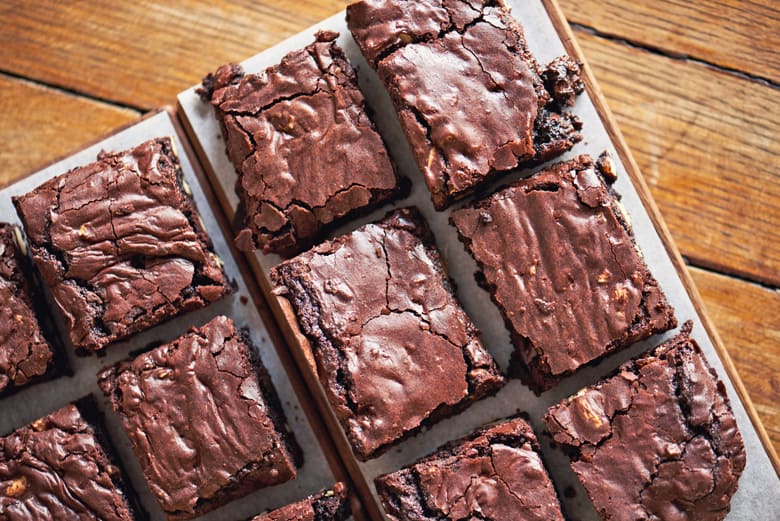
<point>41,399</point>
<point>758,497</point>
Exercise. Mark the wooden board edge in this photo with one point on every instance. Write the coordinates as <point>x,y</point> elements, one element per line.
<point>286,339</point>
<point>599,101</point>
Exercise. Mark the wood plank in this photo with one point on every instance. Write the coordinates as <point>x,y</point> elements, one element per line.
<point>742,35</point>
<point>41,124</point>
<point>142,53</point>
<point>749,325</point>
<point>707,144</point>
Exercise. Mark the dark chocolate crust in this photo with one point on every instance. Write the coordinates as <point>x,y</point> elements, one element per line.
<point>394,349</point>
<point>120,245</point>
<point>472,100</point>
<point>203,419</point>
<point>657,440</point>
<point>302,142</point>
<point>330,505</point>
<point>59,468</point>
<point>25,353</point>
<point>495,474</point>
<point>557,255</point>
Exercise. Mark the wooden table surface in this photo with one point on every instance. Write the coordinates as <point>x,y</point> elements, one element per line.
<point>695,87</point>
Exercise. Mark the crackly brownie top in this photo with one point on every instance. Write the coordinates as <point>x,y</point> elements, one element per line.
<point>467,89</point>
<point>119,243</point>
<point>300,138</point>
<point>197,415</point>
<point>658,440</point>
<point>392,343</point>
<point>559,259</point>
<point>495,474</point>
<point>55,468</point>
<point>24,352</point>
<point>330,505</point>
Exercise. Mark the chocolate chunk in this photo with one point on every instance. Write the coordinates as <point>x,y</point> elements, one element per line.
<point>495,474</point>
<point>330,505</point>
<point>305,149</point>
<point>559,260</point>
<point>394,349</point>
<point>203,419</point>
<point>469,94</point>
<point>120,245</point>
<point>657,440</point>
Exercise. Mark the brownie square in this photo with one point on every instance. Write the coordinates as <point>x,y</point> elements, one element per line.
<point>25,353</point>
<point>302,142</point>
<point>393,348</point>
<point>657,440</point>
<point>203,418</point>
<point>558,257</point>
<point>120,244</point>
<point>330,505</point>
<point>472,100</point>
<point>60,467</point>
<point>495,473</point>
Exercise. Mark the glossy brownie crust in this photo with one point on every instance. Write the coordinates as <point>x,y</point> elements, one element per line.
<point>302,142</point>
<point>59,468</point>
<point>394,349</point>
<point>471,98</point>
<point>25,353</point>
<point>203,419</point>
<point>330,505</point>
<point>495,474</point>
<point>557,255</point>
<point>120,244</point>
<point>657,440</point>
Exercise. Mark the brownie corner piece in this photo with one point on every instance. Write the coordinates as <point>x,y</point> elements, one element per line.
<point>203,419</point>
<point>494,473</point>
<point>61,467</point>
<point>472,100</point>
<point>27,354</point>
<point>558,257</point>
<point>657,440</point>
<point>394,349</point>
<point>329,505</point>
<point>305,149</point>
<point>120,244</point>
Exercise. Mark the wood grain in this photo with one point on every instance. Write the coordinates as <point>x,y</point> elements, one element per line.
<point>40,124</point>
<point>743,35</point>
<point>707,144</point>
<point>143,53</point>
<point>748,322</point>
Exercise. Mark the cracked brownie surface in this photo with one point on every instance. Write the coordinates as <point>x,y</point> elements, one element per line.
<point>495,474</point>
<point>203,419</point>
<point>471,98</point>
<point>393,347</point>
<point>557,255</point>
<point>330,505</point>
<point>57,468</point>
<point>657,440</point>
<point>25,354</point>
<point>120,245</point>
<point>301,140</point>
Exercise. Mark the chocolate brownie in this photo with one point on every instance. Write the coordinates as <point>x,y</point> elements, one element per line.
<point>25,353</point>
<point>120,244</point>
<point>657,440</point>
<point>394,350</point>
<point>59,467</point>
<point>557,255</point>
<point>302,142</point>
<point>471,98</point>
<point>330,505</point>
<point>494,474</point>
<point>203,419</point>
